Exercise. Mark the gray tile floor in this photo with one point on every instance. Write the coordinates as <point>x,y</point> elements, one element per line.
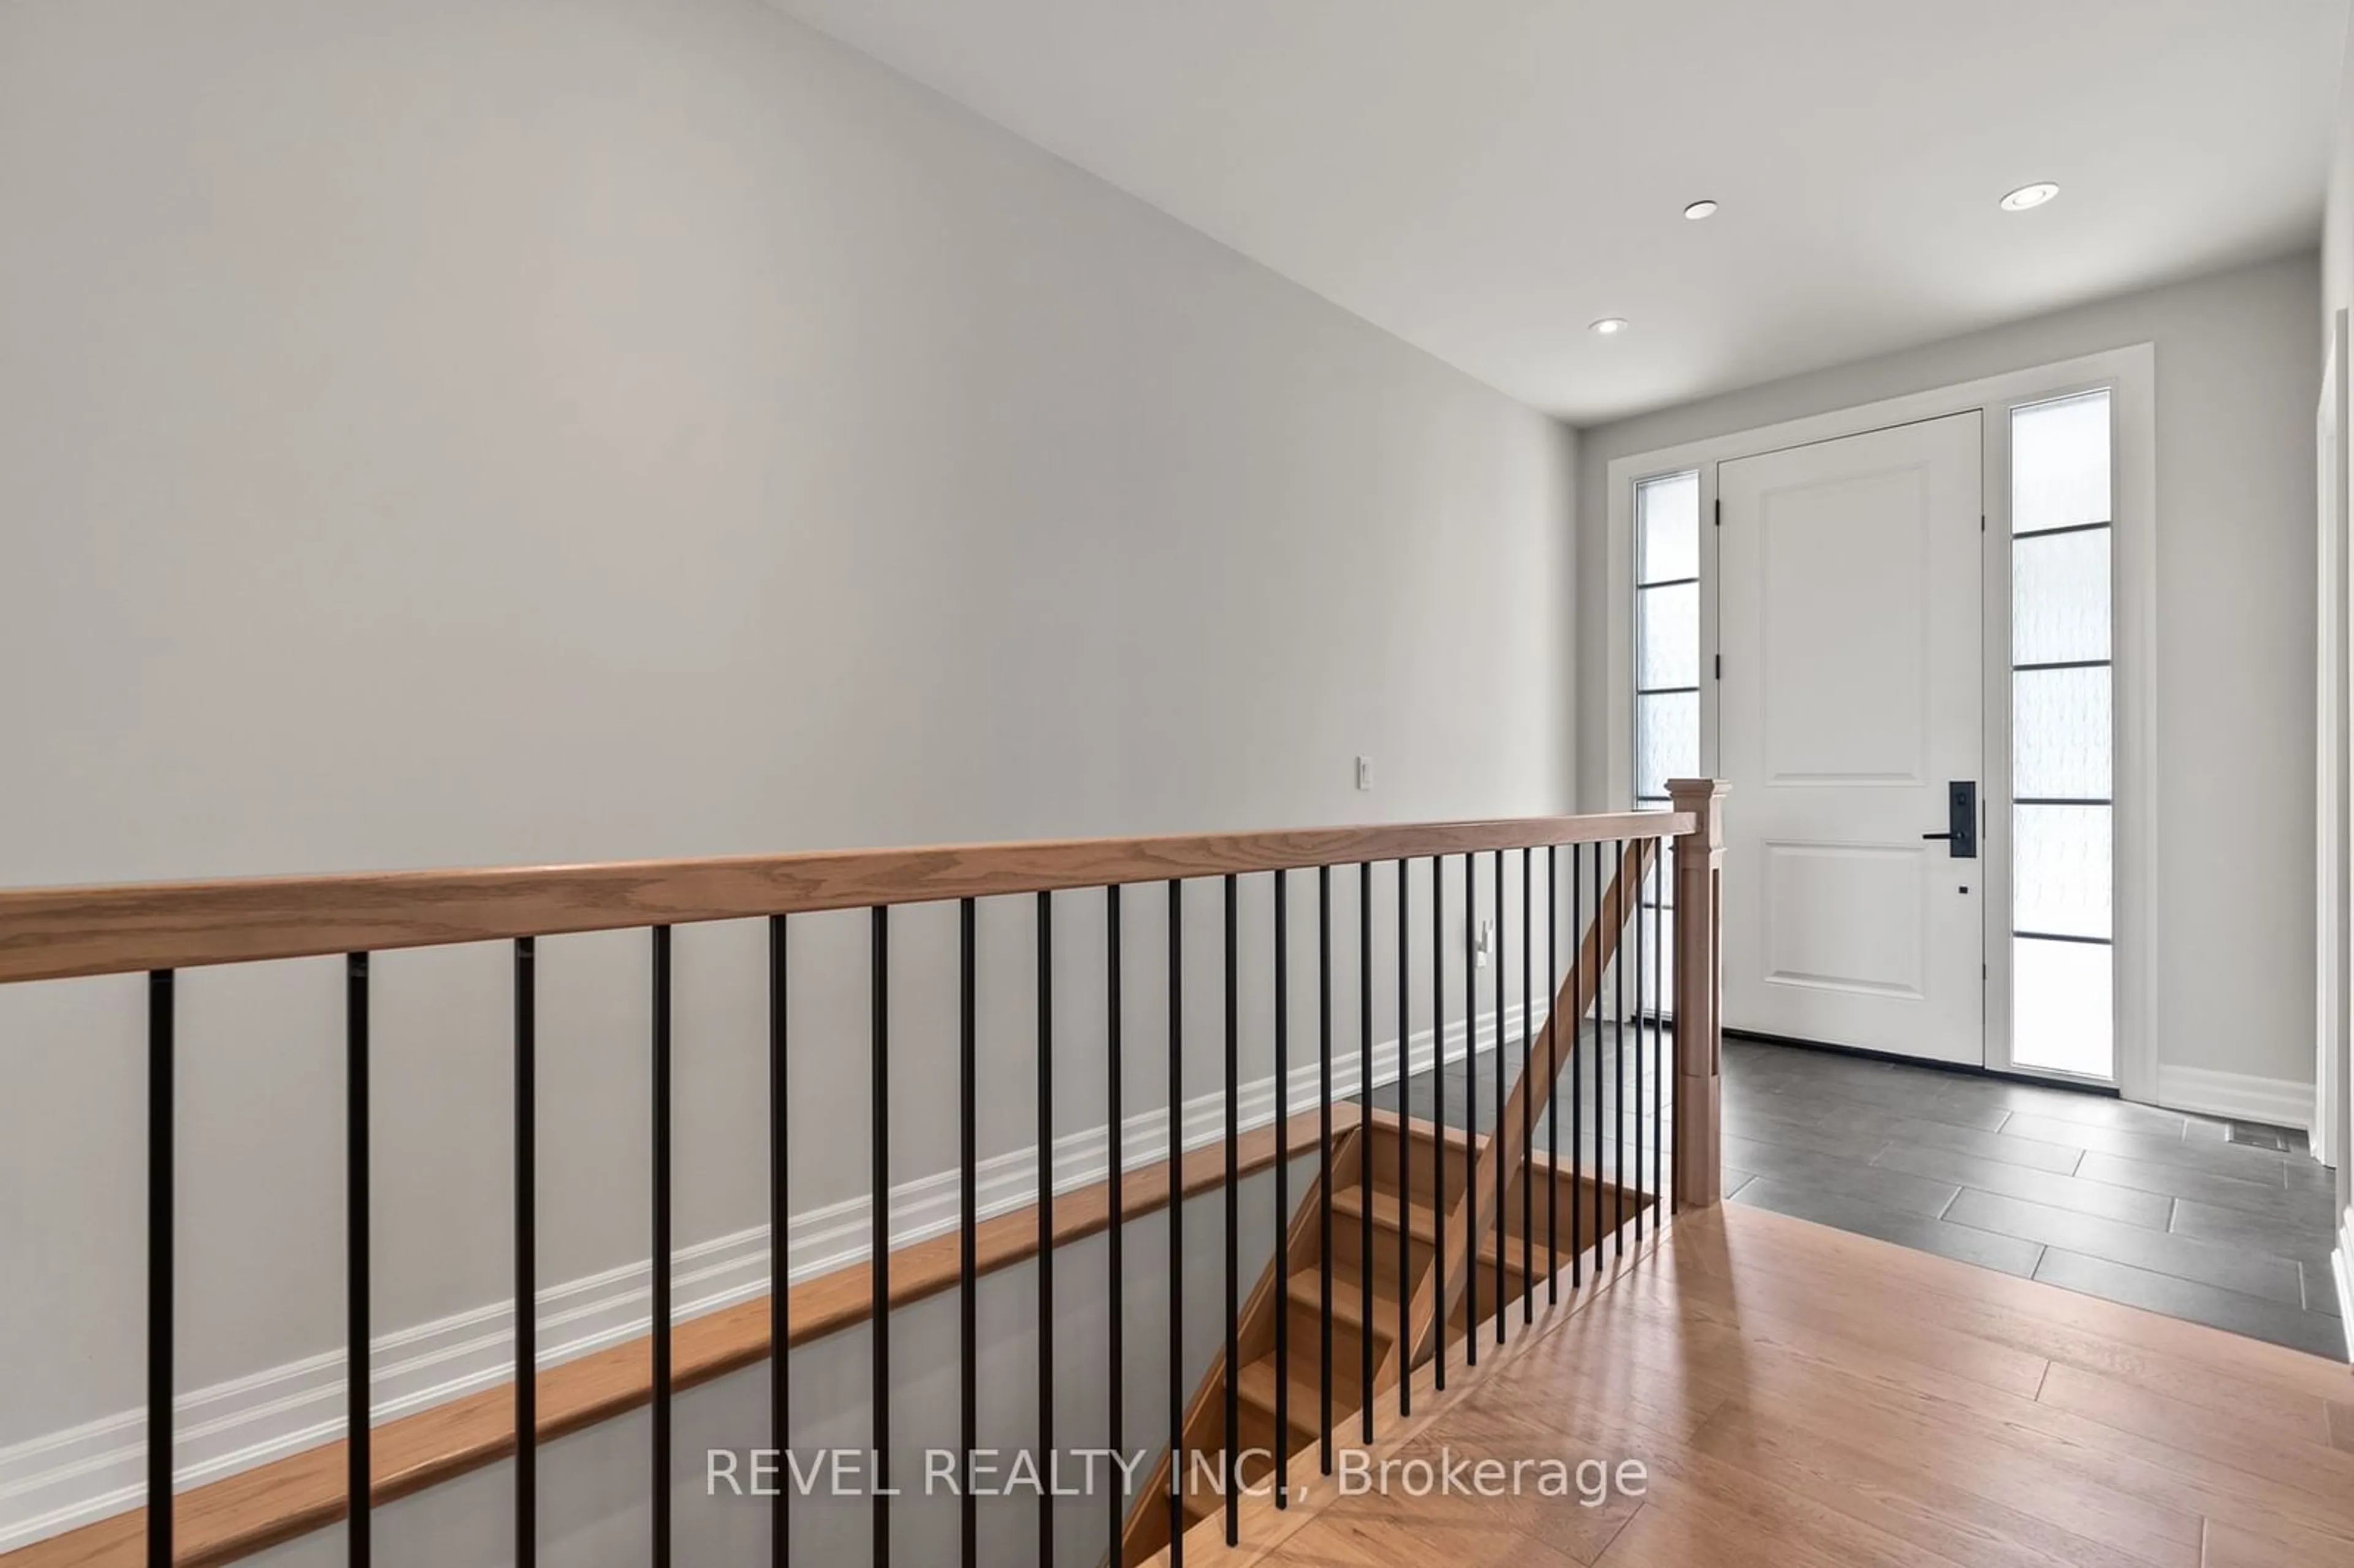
<point>2158,1210</point>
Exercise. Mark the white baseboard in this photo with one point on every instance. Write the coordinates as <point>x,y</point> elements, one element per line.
<point>2238,1097</point>
<point>63,1479</point>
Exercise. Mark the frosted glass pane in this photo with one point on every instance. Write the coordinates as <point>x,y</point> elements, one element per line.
<point>2060,870</point>
<point>2060,463</point>
<point>2060,733</point>
<point>1667,741</point>
<point>1667,523</point>
<point>2059,1009</point>
<point>2059,597</point>
<point>1667,636</point>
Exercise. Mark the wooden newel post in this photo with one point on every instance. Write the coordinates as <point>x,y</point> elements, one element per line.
<point>1699,990</point>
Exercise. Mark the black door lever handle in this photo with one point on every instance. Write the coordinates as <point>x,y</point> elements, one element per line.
<point>1936,835</point>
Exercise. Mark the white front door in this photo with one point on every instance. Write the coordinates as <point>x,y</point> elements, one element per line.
<point>1851,702</point>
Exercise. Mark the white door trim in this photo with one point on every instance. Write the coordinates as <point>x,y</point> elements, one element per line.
<point>2330,846</point>
<point>2130,374</point>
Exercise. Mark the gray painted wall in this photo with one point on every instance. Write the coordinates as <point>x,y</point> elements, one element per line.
<point>2238,370</point>
<point>557,429</point>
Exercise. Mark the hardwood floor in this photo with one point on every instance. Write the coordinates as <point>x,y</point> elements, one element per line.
<point>1800,1395</point>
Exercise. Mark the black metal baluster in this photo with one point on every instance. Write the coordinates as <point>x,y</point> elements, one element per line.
<point>661,1261</point>
<point>359,1487</point>
<point>878,1307</point>
<point>1600,947</point>
<point>1472,1110</point>
<point>780,1221</point>
<point>1553,1067</point>
<point>1577,1092</point>
<point>1659,1058</point>
<point>1324,1151</point>
<point>1115,1370</point>
<point>1640,883</point>
<point>1366,1145</point>
<point>1528,1097</point>
<point>1176,1221</point>
<point>1496,1131</point>
<point>1618,1055</point>
<point>160,1159</point>
<point>1438,1122</point>
<point>968,1201</point>
<point>1046,1224</point>
<point>1404,1153</point>
<point>1282,1188</point>
<point>1659,1028</point>
<point>1234,1218</point>
<point>527,1252</point>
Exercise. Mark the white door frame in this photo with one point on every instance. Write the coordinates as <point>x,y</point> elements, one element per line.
<point>2130,375</point>
<point>2332,760</point>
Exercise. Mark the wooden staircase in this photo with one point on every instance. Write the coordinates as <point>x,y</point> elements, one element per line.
<point>1388,1171</point>
<point>1400,1198</point>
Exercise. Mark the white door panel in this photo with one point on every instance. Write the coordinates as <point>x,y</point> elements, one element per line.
<point>1810,941</point>
<point>1851,696</point>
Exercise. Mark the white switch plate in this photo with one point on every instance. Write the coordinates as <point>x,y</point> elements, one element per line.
<point>1486,945</point>
<point>1364,773</point>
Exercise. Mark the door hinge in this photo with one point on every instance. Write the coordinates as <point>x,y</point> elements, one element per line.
<point>1720,666</point>
<point>1981,522</point>
<point>1982,971</point>
<point>1720,512</point>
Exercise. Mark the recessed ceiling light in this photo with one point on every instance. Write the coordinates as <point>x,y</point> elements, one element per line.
<point>1609,326</point>
<point>2026,197</point>
<point>1701,209</point>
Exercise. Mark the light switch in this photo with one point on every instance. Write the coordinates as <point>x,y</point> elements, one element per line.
<point>1364,773</point>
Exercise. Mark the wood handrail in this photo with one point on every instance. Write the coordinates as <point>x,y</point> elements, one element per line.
<point>57,933</point>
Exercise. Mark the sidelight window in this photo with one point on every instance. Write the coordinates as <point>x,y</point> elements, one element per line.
<point>1667,634</point>
<point>2062,737</point>
<point>1667,661</point>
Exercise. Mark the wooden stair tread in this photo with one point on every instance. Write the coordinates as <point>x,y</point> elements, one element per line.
<point>1257,1386</point>
<point>1381,1125</point>
<point>1198,1499</point>
<point>1511,1256</point>
<point>1386,1209</point>
<point>1305,1289</point>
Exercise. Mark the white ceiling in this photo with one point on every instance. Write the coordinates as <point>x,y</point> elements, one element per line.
<point>1484,177</point>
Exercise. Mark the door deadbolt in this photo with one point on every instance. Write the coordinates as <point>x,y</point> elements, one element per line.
<point>1961,834</point>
